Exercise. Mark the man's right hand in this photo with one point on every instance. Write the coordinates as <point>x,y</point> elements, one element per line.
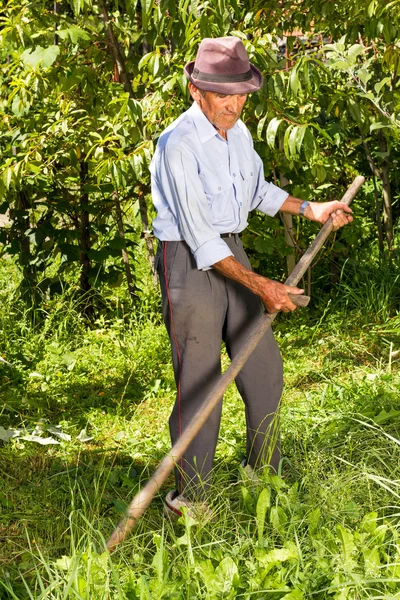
<point>275,295</point>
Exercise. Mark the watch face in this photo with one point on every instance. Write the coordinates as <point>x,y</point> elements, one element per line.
<point>303,207</point>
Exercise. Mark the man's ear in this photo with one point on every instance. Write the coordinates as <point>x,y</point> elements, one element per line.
<point>194,92</point>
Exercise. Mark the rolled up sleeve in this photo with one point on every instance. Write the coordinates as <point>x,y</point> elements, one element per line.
<point>267,197</point>
<point>188,202</point>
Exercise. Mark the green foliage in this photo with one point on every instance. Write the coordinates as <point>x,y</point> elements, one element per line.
<point>75,142</point>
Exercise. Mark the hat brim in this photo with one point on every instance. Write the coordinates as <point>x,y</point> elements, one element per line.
<point>237,87</point>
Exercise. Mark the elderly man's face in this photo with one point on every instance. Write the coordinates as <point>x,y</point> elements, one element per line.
<point>222,110</point>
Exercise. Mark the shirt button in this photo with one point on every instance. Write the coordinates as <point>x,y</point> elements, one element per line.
<point>234,174</point>
<point>241,204</point>
<point>251,173</point>
<point>219,189</point>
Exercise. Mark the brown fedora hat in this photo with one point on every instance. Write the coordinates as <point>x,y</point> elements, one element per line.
<point>222,65</point>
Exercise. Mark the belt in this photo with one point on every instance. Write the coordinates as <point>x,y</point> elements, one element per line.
<point>228,235</point>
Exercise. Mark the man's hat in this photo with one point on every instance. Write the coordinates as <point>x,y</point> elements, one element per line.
<point>222,66</point>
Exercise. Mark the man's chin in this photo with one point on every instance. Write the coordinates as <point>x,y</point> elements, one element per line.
<point>228,124</point>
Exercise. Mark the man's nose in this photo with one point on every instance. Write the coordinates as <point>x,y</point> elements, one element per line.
<point>234,103</point>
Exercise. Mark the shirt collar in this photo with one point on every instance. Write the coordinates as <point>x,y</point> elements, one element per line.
<point>205,129</point>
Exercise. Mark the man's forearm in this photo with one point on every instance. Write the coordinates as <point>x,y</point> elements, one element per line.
<point>320,211</point>
<point>233,269</point>
<point>273,294</point>
<point>292,205</point>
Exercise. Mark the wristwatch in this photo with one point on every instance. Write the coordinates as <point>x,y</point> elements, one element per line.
<point>303,207</point>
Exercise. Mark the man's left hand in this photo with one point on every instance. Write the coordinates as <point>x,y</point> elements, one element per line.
<point>321,211</point>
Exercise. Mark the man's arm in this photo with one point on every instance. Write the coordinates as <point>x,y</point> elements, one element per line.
<point>265,196</point>
<point>273,294</point>
<point>320,211</point>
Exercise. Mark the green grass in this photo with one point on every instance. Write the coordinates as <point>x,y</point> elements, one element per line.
<point>329,529</point>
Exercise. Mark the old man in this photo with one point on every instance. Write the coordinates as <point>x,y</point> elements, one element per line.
<point>206,178</point>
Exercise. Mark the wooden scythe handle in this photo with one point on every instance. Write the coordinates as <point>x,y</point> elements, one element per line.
<point>300,300</point>
<point>143,498</point>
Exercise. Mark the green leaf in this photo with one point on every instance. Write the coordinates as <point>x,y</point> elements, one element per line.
<point>64,563</point>
<point>170,84</point>
<point>263,504</point>
<point>369,522</point>
<point>247,500</point>
<point>341,44</point>
<point>278,518</point>
<point>355,51</point>
<point>313,520</point>
<point>378,86</point>
<point>147,6</point>
<point>70,252</point>
<point>117,243</point>
<point>372,562</point>
<point>375,126</point>
<point>260,126</point>
<point>384,416</point>
<point>372,6</point>
<point>295,594</point>
<point>319,172</point>
<point>364,75</point>
<point>277,555</point>
<point>144,60</point>
<point>156,64</point>
<point>160,559</point>
<point>300,133</point>
<point>272,131</point>
<point>308,145</point>
<point>43,57</point>
<point>340,65</point>
<point>7,177</point>
<point>294,82</point>
<point>74,34</point>
<point>226,576</point>
<point>354,110</point>
<point>206,570</point>
<point>347,540</point>
<point>286,138</point>
<point>292,142</point>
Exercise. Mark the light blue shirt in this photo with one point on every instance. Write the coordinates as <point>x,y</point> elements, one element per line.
<point>203,185</point>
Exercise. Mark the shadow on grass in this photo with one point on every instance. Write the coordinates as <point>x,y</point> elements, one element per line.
<point>41,490</point>
<point>72,401</point>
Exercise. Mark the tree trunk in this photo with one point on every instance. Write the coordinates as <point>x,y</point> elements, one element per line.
<point>84,241</point>
<point>387,206</point>
<point>145,189</point>
<point>378,216</point>
<point>387,193</point>
<point>119,62</point>
<point>125,257</point>
<point>56,9</point>
<point>288,229</point>
<point>383,175</point>
<point>20,217</point>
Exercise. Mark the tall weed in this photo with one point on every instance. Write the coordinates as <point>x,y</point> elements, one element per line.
<point>371,288</point>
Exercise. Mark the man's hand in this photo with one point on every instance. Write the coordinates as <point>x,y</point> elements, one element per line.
<point>275,295</point>
<point>321,211</point>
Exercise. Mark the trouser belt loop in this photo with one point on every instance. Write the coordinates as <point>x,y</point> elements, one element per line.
<point>229,235</point>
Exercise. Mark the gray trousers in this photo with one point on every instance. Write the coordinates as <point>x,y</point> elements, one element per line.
<point>200,309</point>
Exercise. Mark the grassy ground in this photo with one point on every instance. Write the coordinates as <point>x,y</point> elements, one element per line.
<point>329,529</point>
